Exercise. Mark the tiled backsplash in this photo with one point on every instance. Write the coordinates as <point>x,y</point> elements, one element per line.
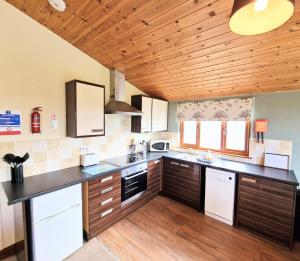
<point>256,152</point>
<point>53,154</point>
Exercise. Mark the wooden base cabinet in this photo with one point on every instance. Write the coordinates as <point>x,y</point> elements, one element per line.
<point>266,208</point>
<point>154,177</point>
<point>182,182</point>
<point>101,203</point>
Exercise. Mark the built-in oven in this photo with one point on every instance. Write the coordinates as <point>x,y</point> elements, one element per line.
<point>134,181</point>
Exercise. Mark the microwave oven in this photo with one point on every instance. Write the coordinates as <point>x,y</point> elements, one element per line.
<point>159,145</point>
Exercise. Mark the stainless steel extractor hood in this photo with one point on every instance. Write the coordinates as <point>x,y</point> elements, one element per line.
<point>117,104</point>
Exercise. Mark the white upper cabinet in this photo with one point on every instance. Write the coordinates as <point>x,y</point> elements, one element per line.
<point>155,114</point>
<point>85,109</point>
<point>159,115</point>
<point>147,112</point>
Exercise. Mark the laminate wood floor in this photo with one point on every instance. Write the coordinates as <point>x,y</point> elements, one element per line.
<point>166,230</point>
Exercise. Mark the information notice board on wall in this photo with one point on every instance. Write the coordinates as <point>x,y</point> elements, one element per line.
<point>10,123</point>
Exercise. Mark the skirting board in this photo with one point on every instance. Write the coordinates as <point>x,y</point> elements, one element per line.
<point>226,221</point>
<point>11,250</point>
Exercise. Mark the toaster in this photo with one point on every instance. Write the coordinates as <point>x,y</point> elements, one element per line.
<point>88,159</point>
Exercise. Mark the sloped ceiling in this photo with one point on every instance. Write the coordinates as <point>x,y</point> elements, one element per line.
<point>177,49</point>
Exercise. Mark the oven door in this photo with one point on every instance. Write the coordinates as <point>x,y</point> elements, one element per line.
<point>133,184</point>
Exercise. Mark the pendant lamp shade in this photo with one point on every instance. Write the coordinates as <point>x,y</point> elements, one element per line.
<point>251,17</point>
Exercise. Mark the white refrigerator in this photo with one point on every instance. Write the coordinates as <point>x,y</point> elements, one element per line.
<point>57,224</point>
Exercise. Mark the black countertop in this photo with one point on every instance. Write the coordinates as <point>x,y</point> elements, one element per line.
<point>45,183</point>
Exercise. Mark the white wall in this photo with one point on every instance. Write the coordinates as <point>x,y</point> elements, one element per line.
<point>35,64</point>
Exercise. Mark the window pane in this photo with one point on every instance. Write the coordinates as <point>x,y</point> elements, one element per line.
<point>190,129</point>
<point>210,134</point>
<point>236,135</point>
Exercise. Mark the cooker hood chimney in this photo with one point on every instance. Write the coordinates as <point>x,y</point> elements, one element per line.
<point>117,104</point>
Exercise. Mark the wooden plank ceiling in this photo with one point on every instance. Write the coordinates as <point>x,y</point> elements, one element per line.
<point>177,49</point>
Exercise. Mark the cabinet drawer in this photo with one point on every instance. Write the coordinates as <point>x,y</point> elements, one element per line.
<point>105,191</point>
<point>103,206</point>
<point>178,173</point>
<point>104,200</point>
<point>104,181</point>
<point>182,165</point>
<point>104,218</point>
<point>155,164</point>
<point>270,187</point>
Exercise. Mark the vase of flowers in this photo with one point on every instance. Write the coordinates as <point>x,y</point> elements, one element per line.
<point>16,166</point>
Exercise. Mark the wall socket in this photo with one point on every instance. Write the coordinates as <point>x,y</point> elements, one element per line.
<point>84,150</point>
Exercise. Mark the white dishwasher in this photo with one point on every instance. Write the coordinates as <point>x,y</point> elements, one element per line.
<point>219,195</point>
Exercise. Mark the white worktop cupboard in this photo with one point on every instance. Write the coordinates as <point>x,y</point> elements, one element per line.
<point>159,115</point>
<point>154,117</point>
<point>85,109</point>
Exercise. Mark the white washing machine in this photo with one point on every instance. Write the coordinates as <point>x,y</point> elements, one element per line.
<point>219,195</point>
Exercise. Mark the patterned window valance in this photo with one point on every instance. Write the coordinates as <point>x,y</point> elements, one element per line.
<point>230,109</point>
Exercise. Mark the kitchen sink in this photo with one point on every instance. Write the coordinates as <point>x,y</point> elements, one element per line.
<point>185,156</point>
<point>191,157</point>
<point>98,169</point>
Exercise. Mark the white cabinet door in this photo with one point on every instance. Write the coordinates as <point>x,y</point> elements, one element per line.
<point>52,204</point>
<point>58,236</point>
<point>147,111</point>
<point>90,110</point>
<point>159,115</point>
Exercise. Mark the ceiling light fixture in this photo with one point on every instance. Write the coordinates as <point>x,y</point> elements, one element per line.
<point>251,17</point>
<point>58,5</point>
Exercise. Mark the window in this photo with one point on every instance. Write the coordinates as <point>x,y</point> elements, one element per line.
<point>229,137</point>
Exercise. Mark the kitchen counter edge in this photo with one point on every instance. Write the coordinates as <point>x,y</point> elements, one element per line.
<point>17,193</point>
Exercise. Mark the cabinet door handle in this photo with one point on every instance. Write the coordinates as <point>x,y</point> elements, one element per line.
<point>107,212</point>
<point>249,180</point>
<point>106,179</point>
<point>156,162</point>
<point>175,163</point>
<point>96,130</point>
<point>103,191</point>
<point>104,202</point>
<point>184,165</point>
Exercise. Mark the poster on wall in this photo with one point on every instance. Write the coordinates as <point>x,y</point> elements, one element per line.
<point>10,122</point>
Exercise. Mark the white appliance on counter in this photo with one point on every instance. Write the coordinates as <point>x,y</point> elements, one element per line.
<point>278,161</point>
<point>159,145</point>
<point>219,195</point>
<point>57,224</point>
<point>88,159</point>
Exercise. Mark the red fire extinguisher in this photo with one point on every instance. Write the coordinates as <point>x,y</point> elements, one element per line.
<point>36,120</point>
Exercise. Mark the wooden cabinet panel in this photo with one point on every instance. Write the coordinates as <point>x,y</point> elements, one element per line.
<point>159,115</point>
<point>101,203</point>
<point>141,124</point>
<point>85,109</point>
<point>266,208</point>
<point>182,182</point>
